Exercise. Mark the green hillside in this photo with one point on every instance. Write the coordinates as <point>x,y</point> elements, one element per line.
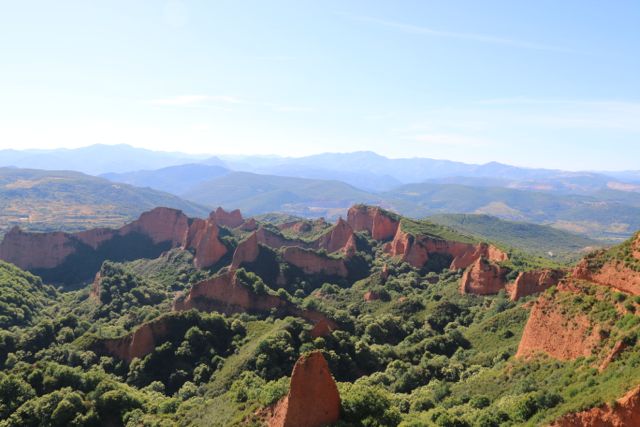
<point>579,214</point>
<point>255,194</point>
<point>539,240</point>
<point>71,201</point>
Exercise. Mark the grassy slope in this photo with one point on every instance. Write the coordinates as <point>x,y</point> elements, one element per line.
<point>532,238</point>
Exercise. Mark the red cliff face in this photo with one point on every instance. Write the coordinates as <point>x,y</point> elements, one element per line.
<point>231,219</point>
<point>36,250</point>
<point>416,250</point>
<point>247,251</point>
<point>613,274</point>
<point>249,225</point>
<point>551,330</point>
<point>338,238</point>
<point>224,293</point>
<point>625,413</point>
<point>376,221</point>
<point>313,399</point>
<point>49,250</point>
<point>533,282</point>
<point>312,263</point>
<point>161,225</point>
<point>202,237</point>
<point>483,277</point>
<point>138,344</point>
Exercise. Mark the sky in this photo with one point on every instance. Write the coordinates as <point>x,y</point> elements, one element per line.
<point>543,84</point>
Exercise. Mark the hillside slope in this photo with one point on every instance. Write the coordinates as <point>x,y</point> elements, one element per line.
<point>71,201</point>
<point>540,240</point>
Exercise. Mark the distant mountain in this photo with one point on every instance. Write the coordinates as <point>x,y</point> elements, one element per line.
<point>540,240</point>
<point>373,172</point>
<point>95,159</point>
<point>255,194</point>
<point>63,200</point>
<point>172,179</point>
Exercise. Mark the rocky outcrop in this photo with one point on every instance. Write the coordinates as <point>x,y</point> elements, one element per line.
<point>615,352</point>
<point>249,225</point>
<point>247,251</point>
<point>625,413</point>
<point>483,277</point>
<point>161,226</point>
<point>313,399</point>
<point>231,219</point>
<point>382,225</point>
<point>202,237</point>
<point>275,240</point>
<point>310,262</point>
<point>227,294</point>
<point>613,274</point>
<point>138,344</point>
<point>553,331</point>
<point>533,282</point>
<point>417,250</point>
<point>322,328</point>
<point>370,296</point>
<point>340,237</point>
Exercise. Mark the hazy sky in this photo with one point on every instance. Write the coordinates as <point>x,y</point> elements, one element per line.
<point>534,83</point>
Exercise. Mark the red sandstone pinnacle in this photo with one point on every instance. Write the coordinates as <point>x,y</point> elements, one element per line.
<point>313,399</point>
<point>247,251</point>
<point>483,277</point>
<point>338,238</point>
<point>625,413</point>
<point>375,220</point>
<point>231,219</point>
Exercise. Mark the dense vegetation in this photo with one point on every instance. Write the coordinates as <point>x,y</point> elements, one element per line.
<point>418,353</point>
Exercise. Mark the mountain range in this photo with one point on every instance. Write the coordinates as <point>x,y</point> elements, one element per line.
<point>598,204</point>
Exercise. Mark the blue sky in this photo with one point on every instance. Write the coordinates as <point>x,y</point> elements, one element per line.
<point>544,83</point>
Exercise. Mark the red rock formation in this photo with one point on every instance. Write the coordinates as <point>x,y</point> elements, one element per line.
<point>483,278</point>
<point>161,225</point>
<point>138,344</point>
<point>338,238</point>
<point>553,331</point>
<point>613,274</point>
<point>322,328</point>
<point>416,250</point>
<point>36,250</point>
<point>249,225</point>
<point>371,296</point>
<point>533,282</point>
<point>625,413</point>
<point>226,294</point>
<point>378,222</point>
<point>202,236</point>
<point>313,399</point>
<point>617,349</point>
<point>275,240</point>
<point>313,263</point>
<point>247,251</point>
<point>231,219</point>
